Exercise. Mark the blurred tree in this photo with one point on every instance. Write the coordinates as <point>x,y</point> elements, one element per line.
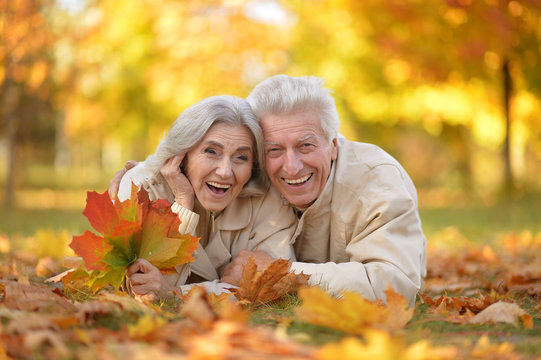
<point>140,64</point>
<point>431,63</point>
<point>26,86</point>
<point>495,41</point>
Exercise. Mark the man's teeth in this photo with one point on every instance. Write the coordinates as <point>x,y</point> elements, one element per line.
<point>219,186</point>
<point>298,181</point>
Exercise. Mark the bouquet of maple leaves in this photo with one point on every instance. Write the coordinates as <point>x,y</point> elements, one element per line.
<point>128,230</point>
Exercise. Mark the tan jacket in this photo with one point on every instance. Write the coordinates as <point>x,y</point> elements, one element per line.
<point>252,223</point>
<point>363,233</point>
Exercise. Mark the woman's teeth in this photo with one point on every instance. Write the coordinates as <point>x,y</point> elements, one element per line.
<point>218,186</point>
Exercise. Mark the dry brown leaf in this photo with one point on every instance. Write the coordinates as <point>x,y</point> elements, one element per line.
<point>352,313</point>
<point>458,310</point>
<point>503,312</point>
<point>23,323</point>
<point>33,298</point>
<point>215,301</point>
<point>229,340</point>
<point>271,284</point>
<point>36,339</point>
<point>197,308</point>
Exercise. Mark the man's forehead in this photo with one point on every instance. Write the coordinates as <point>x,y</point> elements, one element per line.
<point>276,141</point>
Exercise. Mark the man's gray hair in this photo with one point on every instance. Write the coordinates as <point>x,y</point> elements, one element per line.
<point>283,94</point>
<point>193,123</point>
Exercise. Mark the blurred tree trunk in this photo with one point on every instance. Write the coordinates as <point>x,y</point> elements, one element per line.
<point>507,88</point>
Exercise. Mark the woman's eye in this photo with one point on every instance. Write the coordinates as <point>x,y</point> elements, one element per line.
<point>210,151</point>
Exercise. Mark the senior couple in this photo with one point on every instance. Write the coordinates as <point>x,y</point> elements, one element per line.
<point>341,211</point>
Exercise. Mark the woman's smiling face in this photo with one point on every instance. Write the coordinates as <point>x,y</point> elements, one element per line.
<point>220,165</point>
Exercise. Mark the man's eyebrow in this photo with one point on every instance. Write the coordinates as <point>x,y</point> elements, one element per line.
<point>271,143</point>
<point>305,138</point>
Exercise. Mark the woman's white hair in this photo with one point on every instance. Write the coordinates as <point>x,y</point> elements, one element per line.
<point>283,94</point>
<point>193,123</point>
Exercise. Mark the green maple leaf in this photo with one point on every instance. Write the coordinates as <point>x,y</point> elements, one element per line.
<point>131,229</point>
<point>175,249</point>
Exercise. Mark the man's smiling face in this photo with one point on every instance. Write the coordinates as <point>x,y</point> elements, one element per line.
<point>298,155</point>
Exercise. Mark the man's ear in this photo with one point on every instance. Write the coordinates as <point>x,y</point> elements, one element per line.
<point>334,148</point>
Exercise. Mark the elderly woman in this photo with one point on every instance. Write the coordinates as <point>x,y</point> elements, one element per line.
<point>209,167</point>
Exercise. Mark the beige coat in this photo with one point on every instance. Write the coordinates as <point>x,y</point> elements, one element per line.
<point>253,223</point>
<point>363,233</point>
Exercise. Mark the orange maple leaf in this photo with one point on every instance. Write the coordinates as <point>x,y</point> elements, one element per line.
<point>271,284</point>
<point>131,229</point>
<point>352,313</point>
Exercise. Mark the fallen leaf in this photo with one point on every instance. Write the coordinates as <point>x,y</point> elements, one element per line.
<point>503,312</point>
<point>485,350</point>
<point>381,345</point>
<point>352,313</point>
<point>271,284</point>
<point>32,298</point>
<point>37,339</point>
<point>197,308</point>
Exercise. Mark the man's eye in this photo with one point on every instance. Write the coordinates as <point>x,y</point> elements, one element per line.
<point>243,157</point>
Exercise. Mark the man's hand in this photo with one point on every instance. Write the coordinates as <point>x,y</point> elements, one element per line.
<point>115,182</point>
<point>146,281</point>
<point>178,182</point>
<point>233,270</point>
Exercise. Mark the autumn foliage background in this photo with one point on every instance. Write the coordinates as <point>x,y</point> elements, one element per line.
<point>451,88</point>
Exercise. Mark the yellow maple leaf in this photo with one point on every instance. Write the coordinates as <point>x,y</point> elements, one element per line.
<point>485,350</point>
<point>381,345</point>
<point>352,313</point>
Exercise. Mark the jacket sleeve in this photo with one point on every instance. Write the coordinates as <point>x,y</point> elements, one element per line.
<point>385,241</point>
<point>273,227</point>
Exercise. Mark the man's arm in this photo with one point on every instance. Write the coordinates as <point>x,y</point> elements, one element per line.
<point>385,244</point>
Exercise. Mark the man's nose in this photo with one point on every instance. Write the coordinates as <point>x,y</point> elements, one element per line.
<point>292,163</point>
<point>224,168</point>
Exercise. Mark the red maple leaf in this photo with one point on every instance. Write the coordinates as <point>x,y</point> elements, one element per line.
<point>131,229</point>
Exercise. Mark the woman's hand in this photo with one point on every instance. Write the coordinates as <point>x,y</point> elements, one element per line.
<point>178,182</point>
<point>115,181</point>
<point>147,282</point>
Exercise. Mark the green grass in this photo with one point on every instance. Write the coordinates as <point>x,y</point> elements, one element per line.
<point>26,222</point>
<point>483,223</point>
<point>479,223</point>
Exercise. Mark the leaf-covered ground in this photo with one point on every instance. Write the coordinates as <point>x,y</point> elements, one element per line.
<point>478,302</point>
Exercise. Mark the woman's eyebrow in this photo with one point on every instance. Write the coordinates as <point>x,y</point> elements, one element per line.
<point>221,146</point>
<point>244,148</point>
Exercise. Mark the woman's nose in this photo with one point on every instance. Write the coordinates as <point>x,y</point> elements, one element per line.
<point>224,168</point>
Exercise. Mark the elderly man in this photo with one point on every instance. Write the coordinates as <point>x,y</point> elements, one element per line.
<point>359,228</point>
